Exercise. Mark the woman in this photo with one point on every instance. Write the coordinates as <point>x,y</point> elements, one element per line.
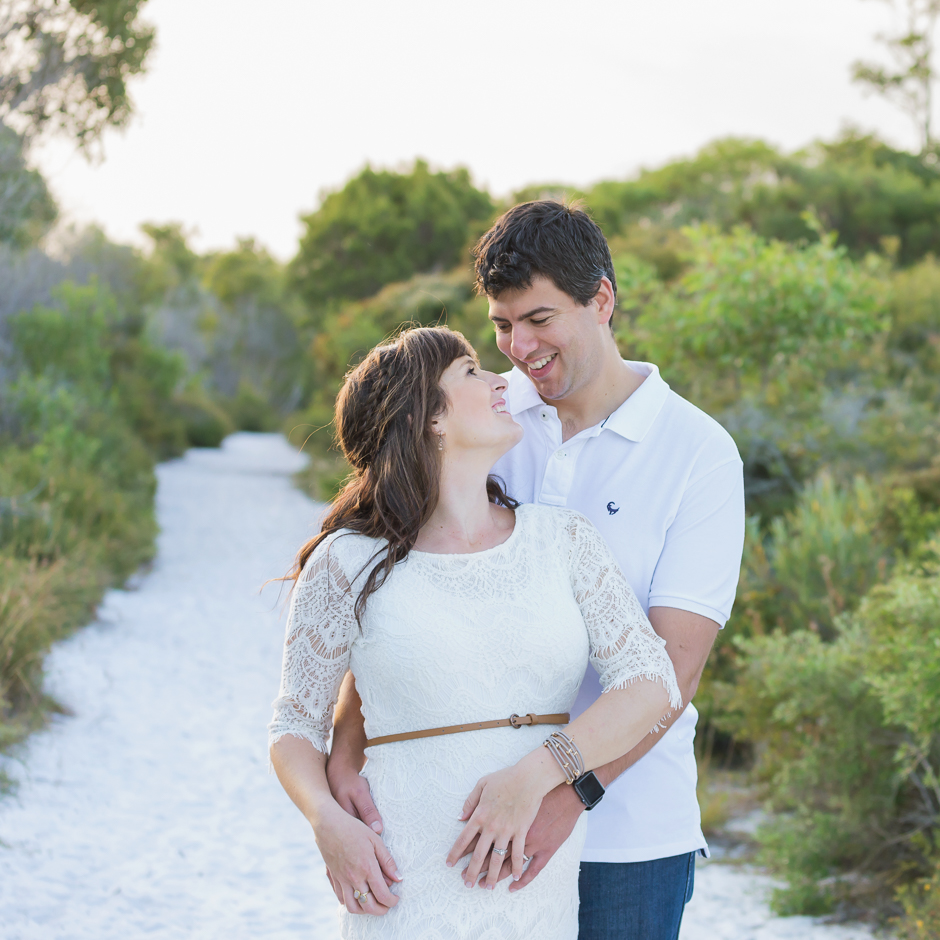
<point>453,605</point>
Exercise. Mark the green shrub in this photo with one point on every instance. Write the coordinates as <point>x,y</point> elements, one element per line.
<point>847,744</point>
<point>920,901</point>
<point>205,423</point>
<point>251,411</point>
<point>85,413</point>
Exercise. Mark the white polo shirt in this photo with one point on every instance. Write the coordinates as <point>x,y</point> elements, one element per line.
<point>664,484</point>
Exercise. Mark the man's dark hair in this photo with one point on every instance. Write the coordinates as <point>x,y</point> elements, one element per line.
<point>547,238</point>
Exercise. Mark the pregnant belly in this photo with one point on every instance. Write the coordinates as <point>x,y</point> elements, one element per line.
<point>420,788</point>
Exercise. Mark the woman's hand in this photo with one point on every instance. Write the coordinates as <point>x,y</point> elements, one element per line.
<point>357,860</point>
<point>499,811</point>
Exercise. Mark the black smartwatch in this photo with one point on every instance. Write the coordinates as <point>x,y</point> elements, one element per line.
<point>589,788</point>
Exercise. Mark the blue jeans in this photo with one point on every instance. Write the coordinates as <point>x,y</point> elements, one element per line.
<point>634,900</point>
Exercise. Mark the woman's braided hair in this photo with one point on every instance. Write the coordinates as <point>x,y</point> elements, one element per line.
<point>383,427</point>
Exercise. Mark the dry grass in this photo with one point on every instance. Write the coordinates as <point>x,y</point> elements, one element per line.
<point>40,602</point>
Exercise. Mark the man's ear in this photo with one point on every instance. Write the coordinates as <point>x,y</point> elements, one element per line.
<point>606,300</point>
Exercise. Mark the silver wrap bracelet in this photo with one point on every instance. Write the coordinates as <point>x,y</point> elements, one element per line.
<point>566,752</point>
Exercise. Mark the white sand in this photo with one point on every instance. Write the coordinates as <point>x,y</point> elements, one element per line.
<point>149,813</point>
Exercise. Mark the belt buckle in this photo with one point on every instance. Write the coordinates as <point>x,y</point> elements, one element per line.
<point>514,720</point>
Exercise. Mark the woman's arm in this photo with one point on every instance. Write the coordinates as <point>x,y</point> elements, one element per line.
<point>355,856</point>
<point>320,632</point>
<point>503,805</point>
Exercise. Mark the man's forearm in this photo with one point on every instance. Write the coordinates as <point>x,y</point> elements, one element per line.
<point>689,638</point>
<point>349,735</point>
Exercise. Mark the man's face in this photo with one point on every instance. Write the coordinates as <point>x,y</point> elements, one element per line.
<point>550,337</point>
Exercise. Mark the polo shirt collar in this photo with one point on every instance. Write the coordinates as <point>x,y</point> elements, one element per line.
<point>631,420</point>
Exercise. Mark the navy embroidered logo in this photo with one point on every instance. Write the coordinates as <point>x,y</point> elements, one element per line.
<point>613,508</point>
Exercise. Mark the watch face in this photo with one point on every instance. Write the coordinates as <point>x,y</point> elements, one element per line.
<point>589,789</point>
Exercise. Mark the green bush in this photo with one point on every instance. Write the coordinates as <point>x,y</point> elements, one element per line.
<point>87,410</point>
<point>920,901</point>
<point>251,411</point>
<point>847,738</point>
<point>800,572</point>
<point>205,423</point>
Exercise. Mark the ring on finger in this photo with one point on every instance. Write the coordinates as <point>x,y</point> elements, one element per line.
<point>497,851</point>
<point>361,896</point>
<point>526,859</point>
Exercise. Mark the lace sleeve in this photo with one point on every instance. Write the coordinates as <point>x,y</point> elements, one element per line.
<point>624,646</point>
<point>320,630</point>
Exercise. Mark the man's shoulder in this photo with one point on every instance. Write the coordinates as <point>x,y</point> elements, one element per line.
<point>699,432</point>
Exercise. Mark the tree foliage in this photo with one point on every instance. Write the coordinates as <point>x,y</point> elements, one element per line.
<point>385,226</point>
<point>909,81</point>
<point>858,187</point>
<point>66,65</point>
<point>27,208</point>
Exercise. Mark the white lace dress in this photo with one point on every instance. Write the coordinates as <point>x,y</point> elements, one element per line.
<point>446,640</point>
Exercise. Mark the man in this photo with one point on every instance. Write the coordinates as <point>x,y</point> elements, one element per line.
<point>663,482</point>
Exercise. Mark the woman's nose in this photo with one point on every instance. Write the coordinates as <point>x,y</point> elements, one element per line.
<point>497,382</point>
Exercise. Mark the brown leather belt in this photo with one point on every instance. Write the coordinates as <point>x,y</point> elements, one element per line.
<point>513,721</point>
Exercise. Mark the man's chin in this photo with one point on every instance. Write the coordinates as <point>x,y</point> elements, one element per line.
<point>550,388</point>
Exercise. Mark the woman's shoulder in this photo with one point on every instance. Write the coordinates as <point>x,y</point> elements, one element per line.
<point>560,529</point>
<point>556,518</point>
<point>346,549</point>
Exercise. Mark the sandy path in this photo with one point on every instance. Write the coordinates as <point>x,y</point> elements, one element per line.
<point>149,813</point>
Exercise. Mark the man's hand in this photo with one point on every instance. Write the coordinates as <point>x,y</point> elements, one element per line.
<point>352,792</point>
<point>342,770</point>
<point>554,823</point>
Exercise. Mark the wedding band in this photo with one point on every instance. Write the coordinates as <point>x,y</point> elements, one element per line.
<point>499,851</point>
<point>361,896</point>
<point>526,858</point>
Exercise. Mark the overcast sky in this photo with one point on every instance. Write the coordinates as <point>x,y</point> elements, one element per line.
<point>249,110</point>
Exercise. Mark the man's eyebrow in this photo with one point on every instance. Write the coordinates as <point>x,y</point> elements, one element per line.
<point>525,316</point>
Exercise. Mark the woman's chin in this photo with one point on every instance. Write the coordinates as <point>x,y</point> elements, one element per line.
<point>514,435</point>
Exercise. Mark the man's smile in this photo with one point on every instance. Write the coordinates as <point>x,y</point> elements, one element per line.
<point>539,368</point>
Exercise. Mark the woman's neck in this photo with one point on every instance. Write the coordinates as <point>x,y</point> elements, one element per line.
<point>464,520</point>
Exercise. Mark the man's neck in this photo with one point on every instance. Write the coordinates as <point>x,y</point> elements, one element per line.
<point>597,400</point>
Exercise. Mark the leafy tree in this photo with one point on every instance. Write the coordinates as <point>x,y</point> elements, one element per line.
<point>859,187</point>
<point>910,81</point>
<point>709,187</point>
<point>26,207</point>
<point>384,226</point>
<point>65,66</point>
<point>750,309</point>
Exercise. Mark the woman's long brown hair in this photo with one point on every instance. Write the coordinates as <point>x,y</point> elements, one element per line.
<point>383,427</point>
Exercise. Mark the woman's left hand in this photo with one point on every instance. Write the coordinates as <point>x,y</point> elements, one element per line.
<point>499,811</point>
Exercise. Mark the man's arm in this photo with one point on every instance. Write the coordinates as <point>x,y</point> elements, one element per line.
<point>347,757</point>
<point>689,638</point>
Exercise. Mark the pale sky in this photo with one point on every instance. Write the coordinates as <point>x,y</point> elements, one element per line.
<point>249,110</point>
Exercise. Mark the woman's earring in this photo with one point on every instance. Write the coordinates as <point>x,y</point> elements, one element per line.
<point>440,440</point>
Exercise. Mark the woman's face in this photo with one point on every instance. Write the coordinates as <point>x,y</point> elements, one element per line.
<point>476,418</point>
